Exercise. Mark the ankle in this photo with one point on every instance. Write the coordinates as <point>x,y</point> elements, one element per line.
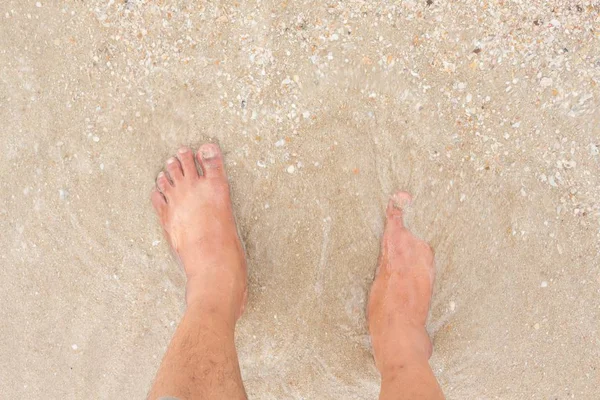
<point>212,316</point>
<point>408,346</point>
<point>391,369</point>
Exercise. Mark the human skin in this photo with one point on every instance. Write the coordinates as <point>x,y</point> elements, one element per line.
<point>196,214</point>
<point>397,311</point>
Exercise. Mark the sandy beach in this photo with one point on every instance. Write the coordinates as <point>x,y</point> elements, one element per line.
<point>487,112</point>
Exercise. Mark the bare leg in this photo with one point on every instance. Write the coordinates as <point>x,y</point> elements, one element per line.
<point>196,214</point>
<point>397,312</point>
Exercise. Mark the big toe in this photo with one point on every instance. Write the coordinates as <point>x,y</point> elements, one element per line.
<point>210,159</point>
<point>398,202</point>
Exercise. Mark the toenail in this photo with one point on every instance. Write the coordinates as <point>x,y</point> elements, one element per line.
<point>171,160</point>
<point>183,150</point>
<point>209,152</point>
<point>400,203</point>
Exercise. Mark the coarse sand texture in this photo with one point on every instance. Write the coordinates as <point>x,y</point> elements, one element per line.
<point>487,112</point>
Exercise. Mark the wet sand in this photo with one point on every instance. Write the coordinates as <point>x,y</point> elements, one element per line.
<point>487,113</point>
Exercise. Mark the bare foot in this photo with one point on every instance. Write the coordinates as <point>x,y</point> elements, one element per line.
<point>400,295</point>
<point>197,217</point>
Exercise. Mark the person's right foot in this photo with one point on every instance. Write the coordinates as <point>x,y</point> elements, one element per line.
<point>400,295</point>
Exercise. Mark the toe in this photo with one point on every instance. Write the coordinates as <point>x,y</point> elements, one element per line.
<point>211,160</point>
<point>174,170</point>
<point>163,184</point>
<point>186,158</point>
<point>158,202</point>
<point>395,209</point>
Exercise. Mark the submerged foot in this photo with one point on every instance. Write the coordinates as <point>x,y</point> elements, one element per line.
<point>196,215</point>
<point>400,294</point>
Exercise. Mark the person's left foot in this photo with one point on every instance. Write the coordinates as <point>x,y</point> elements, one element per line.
<point>196,214</point>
